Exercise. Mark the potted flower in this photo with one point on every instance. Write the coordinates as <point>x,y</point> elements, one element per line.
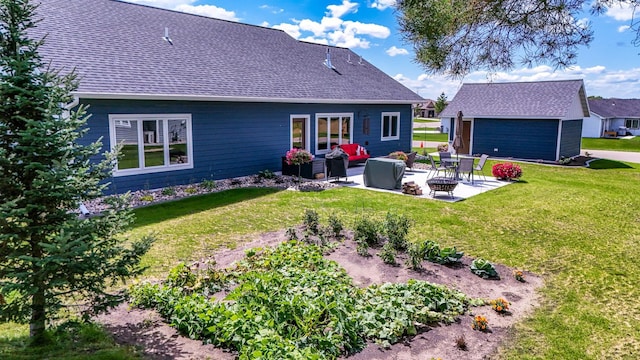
<point>506,171</point>
<point>298,157</point>
<point>399,155</point>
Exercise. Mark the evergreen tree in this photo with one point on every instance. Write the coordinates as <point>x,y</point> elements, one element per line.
<point>50,256</point>
<point>455,37</point>
<point>440,104</point>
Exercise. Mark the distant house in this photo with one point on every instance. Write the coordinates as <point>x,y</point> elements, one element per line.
<point>527,120</point>
<point>612,117</point>
<point>426,109</point>
<point>192,98</point>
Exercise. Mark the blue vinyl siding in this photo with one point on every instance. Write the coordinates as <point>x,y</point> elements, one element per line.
<point>517,138</point>
<point>238,139</point>
<point>571,138</point>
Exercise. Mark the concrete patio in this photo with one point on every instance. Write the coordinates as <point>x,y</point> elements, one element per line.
<point>464,190</point>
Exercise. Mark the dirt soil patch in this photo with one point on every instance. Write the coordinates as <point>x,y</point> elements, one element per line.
<point>147,330</point>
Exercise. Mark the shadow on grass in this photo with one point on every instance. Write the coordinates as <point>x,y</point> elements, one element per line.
<point>602,164</point>
<point>171,209</point>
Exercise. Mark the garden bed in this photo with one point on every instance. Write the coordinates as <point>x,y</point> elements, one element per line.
<point>146,329</point>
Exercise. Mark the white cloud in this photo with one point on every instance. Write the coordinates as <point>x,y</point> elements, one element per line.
<point>623,83</point>
<point>375,30</point>
<point>208,10</point>
<point>264,24</point>
<point>291,29</point>
<point>335,31</point>
<point>621,11</point>
<point>393,51</point>
<point>623,28</point>
<point>340,10</point>
<point>383,4</point>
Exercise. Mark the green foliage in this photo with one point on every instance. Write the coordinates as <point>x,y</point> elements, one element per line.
<point>336,225</point>
<point>281,309</point>
<point>440,103</point>
<point>181,276</point>
<point>191,190</point>
<point>457,37</point>
<point>362,248</point>
<point>388,254</point>
<point>49,255</point>
<point>208,184</point>
<point>390,311</point>
<point>396,228</point>
<point>168,191</point>
<point>416,253</point>
<point>444,256</point>
<point>146,197</point>
<point>266,174</point>
<point>484,268</point>
<point>291,234</point>
<point>311,222</point>
<point>367,230</point>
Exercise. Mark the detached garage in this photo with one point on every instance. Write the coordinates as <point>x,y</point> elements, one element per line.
<point>525,120</point>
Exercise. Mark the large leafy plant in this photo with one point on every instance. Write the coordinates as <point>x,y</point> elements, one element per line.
<point>484,269</point>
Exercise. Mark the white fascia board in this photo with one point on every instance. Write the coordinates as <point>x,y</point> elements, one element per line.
<point>471,116</point>
<point>130,96</point>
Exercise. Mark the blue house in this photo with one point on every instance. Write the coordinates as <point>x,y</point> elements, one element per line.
<point>191,98</point>
<point>526,120</point>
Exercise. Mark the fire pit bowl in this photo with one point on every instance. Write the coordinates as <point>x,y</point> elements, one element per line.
<point>442,184</point>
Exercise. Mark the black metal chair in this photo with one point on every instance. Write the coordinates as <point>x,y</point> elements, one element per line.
<point>436,168</point>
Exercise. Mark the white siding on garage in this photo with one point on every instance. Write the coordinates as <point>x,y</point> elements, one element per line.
<point>592,127</point>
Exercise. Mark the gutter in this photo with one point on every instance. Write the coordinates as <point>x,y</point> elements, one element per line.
<point>132,96</point>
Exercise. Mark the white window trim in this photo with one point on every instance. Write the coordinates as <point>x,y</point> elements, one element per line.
<point>329,116</point>
<point>307,130</point>
<point>388,138</point>
<point>119,118</point>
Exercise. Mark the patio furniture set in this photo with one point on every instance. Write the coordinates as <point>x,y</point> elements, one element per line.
<point>454,170</point>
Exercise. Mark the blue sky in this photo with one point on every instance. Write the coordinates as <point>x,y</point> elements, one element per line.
<point>610,66</point>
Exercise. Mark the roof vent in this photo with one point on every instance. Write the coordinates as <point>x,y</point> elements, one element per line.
<point>327,61</point>
<point>166,36</point>
<point>360,61</point>
<point>349,59</point>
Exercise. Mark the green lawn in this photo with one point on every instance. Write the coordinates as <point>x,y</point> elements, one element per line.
<point>612,144</point>
<point>443,138</point>
<point>425,120</point>
<point>576,227</point>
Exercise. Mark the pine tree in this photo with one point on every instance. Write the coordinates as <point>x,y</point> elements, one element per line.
<point>440,104</point>
<point>50,257</point>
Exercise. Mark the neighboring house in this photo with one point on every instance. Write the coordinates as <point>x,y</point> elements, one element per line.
<point>193,98</point>
<point>527,120</point>
<point>426,109</point>
<point>612,117</point>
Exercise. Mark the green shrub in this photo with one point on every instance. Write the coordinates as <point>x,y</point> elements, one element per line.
<point>191,190</point>
<point>368,230</point>
<point>181,276</point>
<point>168,191</point>
<point>311,222</point>
<point>336,225</point>
<point>208,184</point>
<point>266,174</point>
<point>484,268</point>
<point>388,254</point>
<point>396,228</point>
<point>362,248</point>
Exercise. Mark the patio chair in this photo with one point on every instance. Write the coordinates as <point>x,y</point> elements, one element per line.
<point>466,167</point>
<point>480,166</point>
<point>411,158</point>
<point>445,158</point>
<point>436,168</point>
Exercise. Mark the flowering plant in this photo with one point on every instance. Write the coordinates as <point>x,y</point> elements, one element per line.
<point>480,323</point>
<point>506,171</point>
<point>298,157</point>
<point>399,155</point>
<point>500,305</point>
<point>519,275</point>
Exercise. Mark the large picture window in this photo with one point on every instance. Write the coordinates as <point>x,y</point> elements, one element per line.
<point>151,143</point>
<point>390,126</point>
<point>333,129</point>
<point>632,123</point>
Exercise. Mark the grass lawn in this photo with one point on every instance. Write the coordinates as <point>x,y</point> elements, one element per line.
<point>425,120</point>
<point>576,227</point>
<point>443,138</point>
<point>612,144</point>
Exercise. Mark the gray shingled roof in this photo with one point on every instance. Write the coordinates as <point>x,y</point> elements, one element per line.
<point>542,99</point>
<point>118,48</point>
<point>615,108</point>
